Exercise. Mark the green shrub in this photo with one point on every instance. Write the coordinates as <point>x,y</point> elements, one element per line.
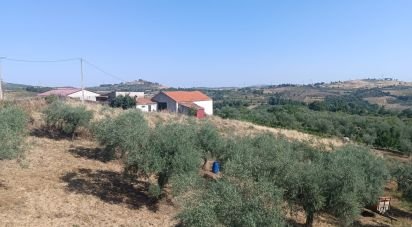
<point>124,102</point>
<point>154,191</point>
<point>226,203</point>
<point>403,176</point>
<point>355,179</point>
<point>13,123</point>
<point>173,151</point>
<point>66,119</point>
<point>128,132</point>
<point>339,182</point>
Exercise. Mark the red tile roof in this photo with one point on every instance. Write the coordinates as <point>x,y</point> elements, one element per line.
<point>63,91</point>
<point>144,101</point>
<point>187,96</point>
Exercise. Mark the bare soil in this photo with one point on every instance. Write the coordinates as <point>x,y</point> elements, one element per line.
<point>69,183</point>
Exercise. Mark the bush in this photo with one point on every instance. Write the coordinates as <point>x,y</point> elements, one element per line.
<point>226,203</point>
<point>128,132</point>
<point>339,182</point>
<point>403,176</point>
<point>171,152</point>
<point>12,131</point>
<point>124,102</point>
<point>355,179</point>
<point>66,119</point>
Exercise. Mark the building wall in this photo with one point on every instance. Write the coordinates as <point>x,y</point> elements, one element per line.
<point>183,109</point>
<point>132,94</point>
<point>207,105</point>
<point>145,108</point>
<point>171,104</point>
<point>88,95</point>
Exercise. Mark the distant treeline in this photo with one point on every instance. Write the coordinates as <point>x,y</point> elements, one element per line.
<point>343,116</point>
<point>37,89</point>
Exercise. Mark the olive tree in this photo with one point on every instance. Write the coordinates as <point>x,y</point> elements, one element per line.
<point>402,173</point>
<point>66,119</point>
<point>126,133</point>
<point>13,123</point>
<point>234,203</point>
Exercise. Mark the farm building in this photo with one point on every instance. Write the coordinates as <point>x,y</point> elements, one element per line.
<point>132,94</point>
<point>71,92</point>
<point>185,102</point>
<point>146,105</point>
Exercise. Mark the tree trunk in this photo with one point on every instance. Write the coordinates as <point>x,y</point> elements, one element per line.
<point>309,219</point>
<point>204,164</point>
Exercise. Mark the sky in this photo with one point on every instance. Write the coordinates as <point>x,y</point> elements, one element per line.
<point>206,43</point>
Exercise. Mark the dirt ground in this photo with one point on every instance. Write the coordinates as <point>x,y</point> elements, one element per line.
<point>68,183</point>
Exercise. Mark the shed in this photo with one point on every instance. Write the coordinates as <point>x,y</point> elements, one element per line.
<point>71,92</point>
<point>146,105</point>
<point>182,101</point>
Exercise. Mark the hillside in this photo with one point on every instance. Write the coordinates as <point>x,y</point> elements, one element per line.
<point>392,94</point>
<point>61,182</point>
<point>137,85</point>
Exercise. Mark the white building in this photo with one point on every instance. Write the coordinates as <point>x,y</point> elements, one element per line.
<point>132,94</point>
<point>146,105</point>
<point>70,92</point>
<point>184,102</point>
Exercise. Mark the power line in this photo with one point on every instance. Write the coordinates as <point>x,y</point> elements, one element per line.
<point>103,71</point>
<point>66,60</point>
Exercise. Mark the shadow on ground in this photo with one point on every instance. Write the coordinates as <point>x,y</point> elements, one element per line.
<point>398,213</point>
<point>110,187</point>
<point>45,133</point>
<point>294,223</point>
<point>2,185</point>
<point>91,153</point>
<point>372,224</point>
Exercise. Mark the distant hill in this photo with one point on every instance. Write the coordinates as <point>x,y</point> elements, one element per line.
<point>136,85</point>
<point>368,83</point>
<point>388,92</point>
<point>12,87</point>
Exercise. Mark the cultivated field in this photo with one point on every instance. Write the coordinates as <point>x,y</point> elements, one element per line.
<point>60,182</point>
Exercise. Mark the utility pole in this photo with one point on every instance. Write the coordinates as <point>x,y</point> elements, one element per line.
<point>1,82</point>
<point>81,73</point>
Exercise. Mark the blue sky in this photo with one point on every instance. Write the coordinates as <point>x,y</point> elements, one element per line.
<point>207,43</point>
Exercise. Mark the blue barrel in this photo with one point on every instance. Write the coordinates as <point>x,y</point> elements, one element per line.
<point>215,167</point>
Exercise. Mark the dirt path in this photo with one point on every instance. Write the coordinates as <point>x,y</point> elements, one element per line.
<point>65,183</point>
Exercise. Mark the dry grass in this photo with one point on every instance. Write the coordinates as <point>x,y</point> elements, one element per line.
<point>64,183</point>
<point>241,128</point>
<point>356,84</point>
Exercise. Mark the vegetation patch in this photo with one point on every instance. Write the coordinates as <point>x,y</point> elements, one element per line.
<point>259,173</point>
<point>381,129</point>
<point>65,119</point>
<point>13,123</point>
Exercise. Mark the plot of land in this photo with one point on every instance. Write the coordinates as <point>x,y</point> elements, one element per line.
<point>71,183</point>
<point>68,183</point>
